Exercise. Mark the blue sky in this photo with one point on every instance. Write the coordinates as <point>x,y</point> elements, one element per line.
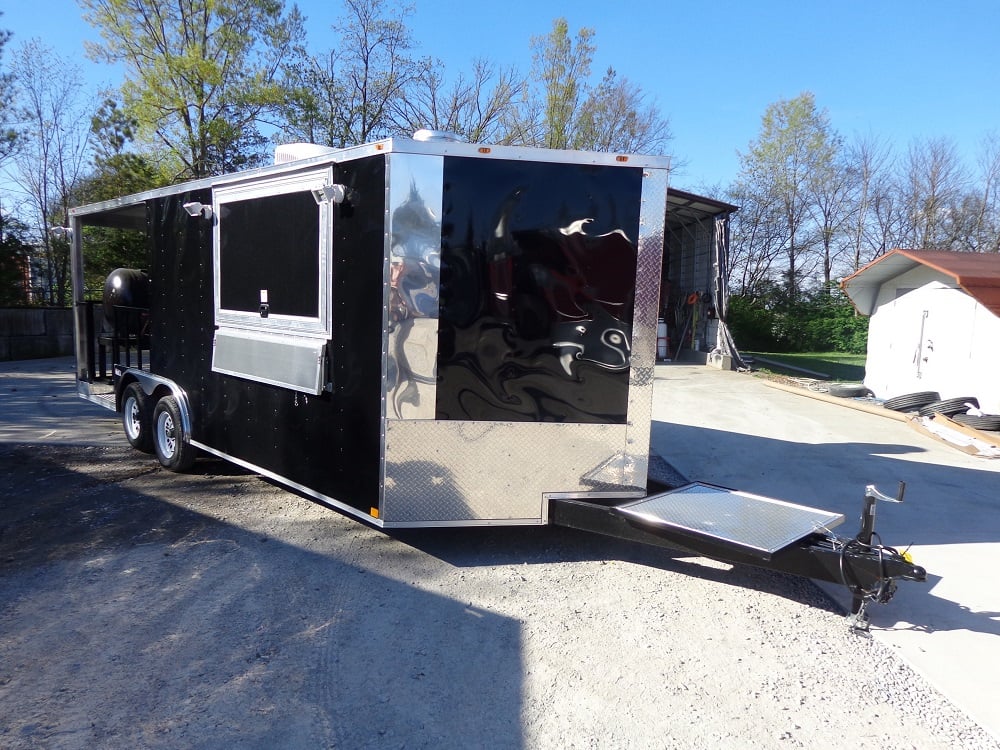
<point>900,70</point>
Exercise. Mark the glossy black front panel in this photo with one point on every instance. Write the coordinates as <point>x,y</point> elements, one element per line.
<point>538,269</point>
<point>330,443</point>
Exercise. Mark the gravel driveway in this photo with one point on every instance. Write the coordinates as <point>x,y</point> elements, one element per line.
<point>140,608</point>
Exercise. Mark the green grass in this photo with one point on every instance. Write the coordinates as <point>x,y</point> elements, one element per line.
<point>837,365</point>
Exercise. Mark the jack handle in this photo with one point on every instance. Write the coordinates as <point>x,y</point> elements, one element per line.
<point>872,491</point>
<point>872,494</point>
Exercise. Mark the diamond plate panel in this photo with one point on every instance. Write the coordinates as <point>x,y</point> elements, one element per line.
<point>652,218</point>
<point>760,523</point>
<point>480,472</point>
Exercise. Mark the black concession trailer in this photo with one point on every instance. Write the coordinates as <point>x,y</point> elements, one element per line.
<point>424,332</point>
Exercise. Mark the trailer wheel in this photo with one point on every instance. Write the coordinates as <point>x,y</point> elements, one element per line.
<point>173,451</point>
<point>136,418</point>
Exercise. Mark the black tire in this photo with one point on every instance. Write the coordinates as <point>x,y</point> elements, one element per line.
<point>988,422</point>
<point>173,450</point>
<point>912,401</point>
<point>847,390</point>
<point>136,419</point>
<point>949,406</point>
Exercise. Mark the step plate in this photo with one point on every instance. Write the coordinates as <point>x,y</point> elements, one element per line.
<point>107,400</point>
<point>752,523</point>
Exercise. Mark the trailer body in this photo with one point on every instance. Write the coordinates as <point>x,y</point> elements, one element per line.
<point>428,333</point>
<point>417,333</point>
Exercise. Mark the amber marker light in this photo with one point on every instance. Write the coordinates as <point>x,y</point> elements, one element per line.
<point>621,158</point>
<point>484,149</point>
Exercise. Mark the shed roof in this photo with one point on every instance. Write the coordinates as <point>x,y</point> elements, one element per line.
<point>686,208</point>
<point>978,274</point>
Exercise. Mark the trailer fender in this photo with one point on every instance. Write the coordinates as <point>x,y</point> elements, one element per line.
<point>155,387</point>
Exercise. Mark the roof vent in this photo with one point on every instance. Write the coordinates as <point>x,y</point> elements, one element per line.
<point>287,152</point>
<point>424,134</point>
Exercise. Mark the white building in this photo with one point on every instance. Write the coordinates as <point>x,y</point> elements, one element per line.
<point>935,323</point>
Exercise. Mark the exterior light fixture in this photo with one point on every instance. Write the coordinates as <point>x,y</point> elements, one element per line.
<point>194,208</point>
<point>330,194</point>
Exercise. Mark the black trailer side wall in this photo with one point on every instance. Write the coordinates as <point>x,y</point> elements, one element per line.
<point>330,443</point>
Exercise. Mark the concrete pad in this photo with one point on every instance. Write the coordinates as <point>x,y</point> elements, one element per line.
<point>732,429</point>
<point>39,404</point>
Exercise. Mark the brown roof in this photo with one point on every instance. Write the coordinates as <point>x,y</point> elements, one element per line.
<point>978,274</point>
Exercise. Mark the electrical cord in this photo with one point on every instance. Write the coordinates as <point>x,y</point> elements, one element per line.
<point>874,594</point>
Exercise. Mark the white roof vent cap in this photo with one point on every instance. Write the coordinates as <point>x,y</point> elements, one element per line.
<point>425,134</point>
<point>287,152</point>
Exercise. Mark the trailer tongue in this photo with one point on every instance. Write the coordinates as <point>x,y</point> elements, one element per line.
<point>739,527</point>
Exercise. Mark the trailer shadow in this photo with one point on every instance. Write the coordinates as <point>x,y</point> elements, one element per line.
<point>476,547</point>
<point>134,619</point>
<point>210,466</point>
<point>943,504</point>
<point>487,546</point>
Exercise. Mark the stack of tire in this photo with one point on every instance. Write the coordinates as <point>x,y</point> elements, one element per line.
<point>848,390</point>
<point>929,403</point>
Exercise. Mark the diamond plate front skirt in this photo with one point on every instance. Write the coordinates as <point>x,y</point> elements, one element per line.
<point>468,473</point>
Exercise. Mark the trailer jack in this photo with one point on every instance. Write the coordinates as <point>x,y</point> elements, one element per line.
<point>868,541</point>
<point>741,528</point>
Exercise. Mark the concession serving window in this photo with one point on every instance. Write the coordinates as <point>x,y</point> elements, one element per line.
<point>271,247</point>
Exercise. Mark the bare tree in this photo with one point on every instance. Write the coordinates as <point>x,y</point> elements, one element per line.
<point>829,187</point>
<point>313,110</point>
<point>931,185</point>
<point>478,107</point>
<point>617,117</point>
<point>352,93</point>
<point>52,156</point>
<point>981,215</point>
<point>372,85</point>
<point>805,196</point>
<point>868,161</point>
<point>759,236</point>
<point>890,219</point>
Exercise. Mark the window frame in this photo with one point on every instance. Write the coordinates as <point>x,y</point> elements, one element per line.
<point>318,326</point>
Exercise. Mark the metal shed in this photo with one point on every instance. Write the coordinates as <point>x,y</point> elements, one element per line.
<point>935,323</point>
<point>694,284</point>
